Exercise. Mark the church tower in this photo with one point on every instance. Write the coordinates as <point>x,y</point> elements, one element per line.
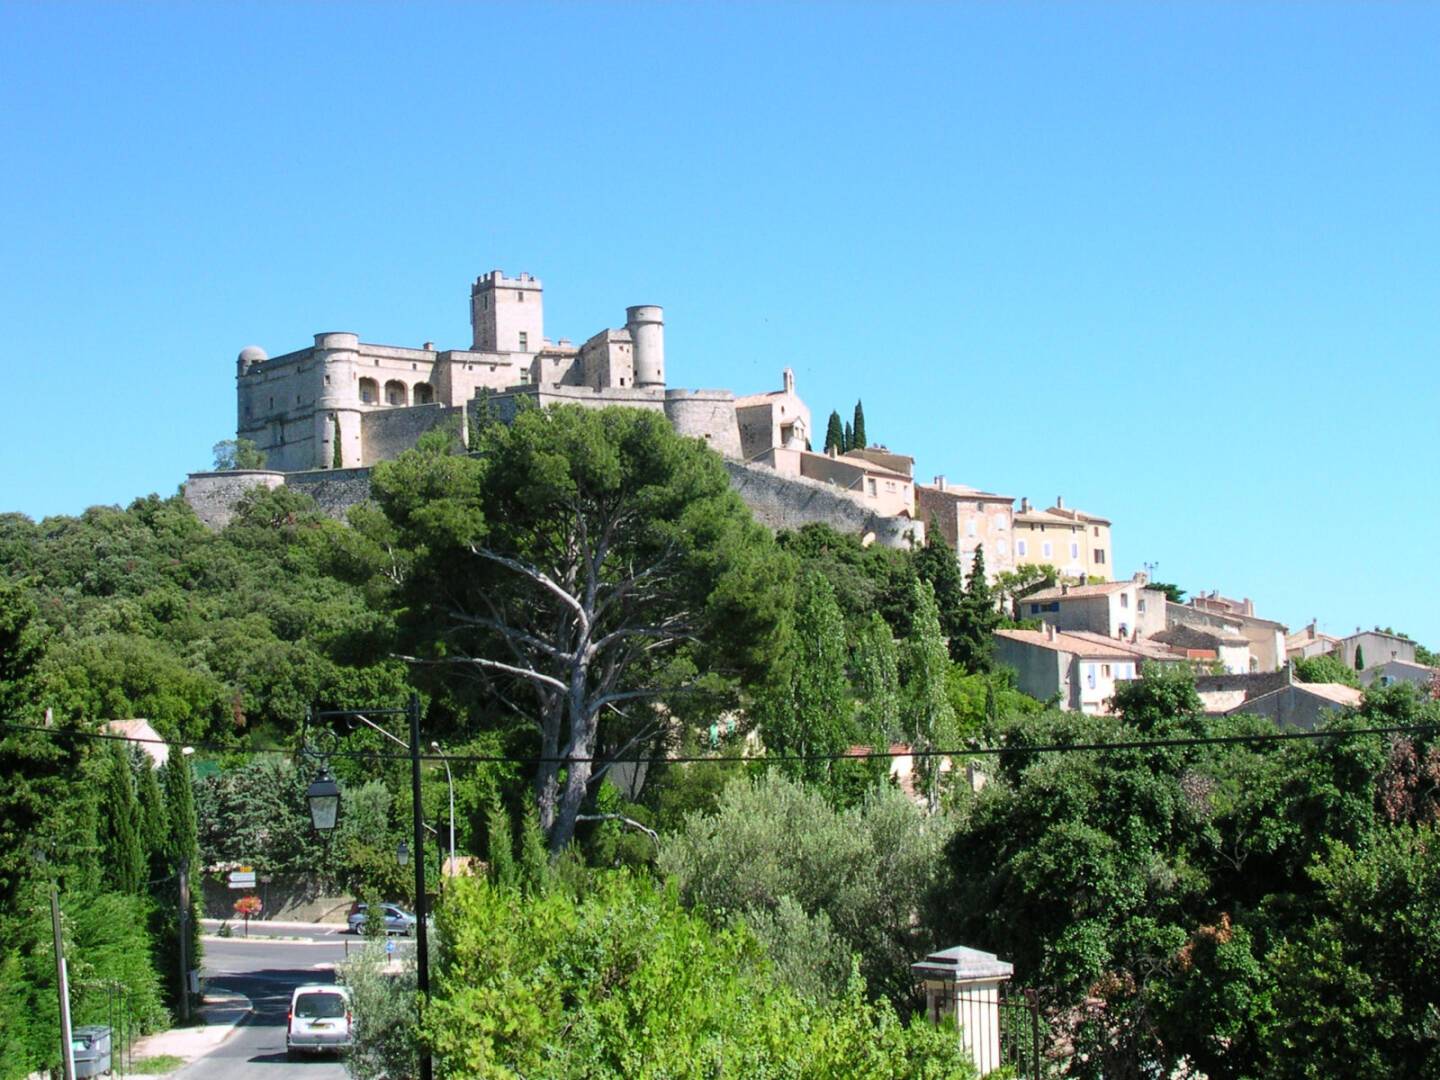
<point>506,314</point>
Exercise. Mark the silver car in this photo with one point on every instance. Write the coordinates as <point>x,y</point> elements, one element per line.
<point>319,1019</point>
<point>397,919</point>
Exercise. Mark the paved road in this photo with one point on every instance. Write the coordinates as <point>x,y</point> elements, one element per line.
<point>265,970</point>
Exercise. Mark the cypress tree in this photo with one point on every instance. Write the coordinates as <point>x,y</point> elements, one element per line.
<point>183,842</point>
<point>847,439</point>
<point>979,617</point>
<point>834,434</point>
<point>338,459</point>
<point>937,563</point>
<point>124,858</point>
<point>860,439</point>
<point>154,821</point>
<point>501,847</point>
<point>1359,658</point>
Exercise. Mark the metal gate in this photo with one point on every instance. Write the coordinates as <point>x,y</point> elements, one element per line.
<point>999,1025</point>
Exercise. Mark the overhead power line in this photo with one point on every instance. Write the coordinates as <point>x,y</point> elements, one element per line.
<point>686,759</point>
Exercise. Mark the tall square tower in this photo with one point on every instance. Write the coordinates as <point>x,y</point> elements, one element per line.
<point>506,314</point>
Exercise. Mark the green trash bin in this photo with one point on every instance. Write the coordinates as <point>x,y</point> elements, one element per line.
<point>91,1047</point>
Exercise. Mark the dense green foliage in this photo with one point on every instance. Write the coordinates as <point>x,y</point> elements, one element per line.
<point>1325,669</point>
<point>617,979</point>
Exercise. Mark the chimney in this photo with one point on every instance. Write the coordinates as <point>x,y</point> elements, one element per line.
<point>834,451</point>
<point>1064,588</point>
<point>429,346</point>
<point>940,482</point>
<point>1024,505</point>
<point>1059,502</point>
<point>1049,631</point>
<point>787,378</point>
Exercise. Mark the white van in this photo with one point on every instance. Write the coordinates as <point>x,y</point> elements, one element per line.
<point>319,1019</point>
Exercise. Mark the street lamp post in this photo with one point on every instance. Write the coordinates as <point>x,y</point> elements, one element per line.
<point>450,782</point>
<point>322,810</point>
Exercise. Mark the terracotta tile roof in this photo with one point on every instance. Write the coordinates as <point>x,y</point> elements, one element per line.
<point>1147,648</point>
<point>1070,643</point>
<point>1077,515</point>
<point>1332,691</point>
<point>963,491</point>
<point>1076,592</point>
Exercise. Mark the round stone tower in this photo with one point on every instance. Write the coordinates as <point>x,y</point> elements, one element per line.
<point>337,357</point>
<point>646,323</point>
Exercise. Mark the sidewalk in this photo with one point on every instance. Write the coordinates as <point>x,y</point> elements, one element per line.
<point>222,1011</point>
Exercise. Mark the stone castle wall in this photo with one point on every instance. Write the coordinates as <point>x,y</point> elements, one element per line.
<point>388,433</point>
<point>777,501</point>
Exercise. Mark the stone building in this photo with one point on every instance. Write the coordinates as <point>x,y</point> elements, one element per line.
<point>1116,609</point>
<point>968,519</point>
<point>1078,673</point>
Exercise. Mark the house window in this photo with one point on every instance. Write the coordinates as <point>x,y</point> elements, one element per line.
<point>1020,548</point>
<point>1074,550</point>
<point>1124,629</point>
<point>970,527</point>
<point>1140,604</point>
<point>1090,676</point>
<point>997,522</point>
<point>1034,609</point>
<point>871,484</point>
<point>1125,600</point>
<point>1045,549</point>
<point>1003,545</point>
<point>1054,605</point>
<point>519,296</point>
<point>1097,530</point>
<point>1104,671</point>
<point>1099,556</point>
<point>524,340</point>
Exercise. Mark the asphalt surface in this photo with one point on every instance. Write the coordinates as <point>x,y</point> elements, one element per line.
<point>266,969</point>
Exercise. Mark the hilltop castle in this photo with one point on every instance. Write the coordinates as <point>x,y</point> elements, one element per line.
<point>323,415</point>
<point>343,403</point>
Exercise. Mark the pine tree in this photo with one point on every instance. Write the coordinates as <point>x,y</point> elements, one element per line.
<point>927,716</point>
<point>124,859</point>
<point>847,439</point>
<point>834,434</point>
<point>860,439</point>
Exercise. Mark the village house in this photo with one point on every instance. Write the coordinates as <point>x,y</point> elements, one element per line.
<point>1078,672</point>
<point>969,519</point>
<point>1309,642</point>
<point>1401,671</point>
<point>1216,614</point>
<point>1367,648</point>
<point>1075,543</point>
<point>1116,609</point>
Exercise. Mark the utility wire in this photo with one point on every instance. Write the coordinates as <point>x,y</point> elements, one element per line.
<point>860,755</point>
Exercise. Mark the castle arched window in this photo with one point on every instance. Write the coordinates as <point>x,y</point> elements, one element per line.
<point>369,391</point>
<point>424,394</point>
<point>395,393</point>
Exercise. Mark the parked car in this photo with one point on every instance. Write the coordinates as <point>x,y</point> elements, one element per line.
<point>397,919</point>
<point>319,1020</point>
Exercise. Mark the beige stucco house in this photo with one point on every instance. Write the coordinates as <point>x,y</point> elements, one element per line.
<point>1308,641</point>
<point>1074,542</point>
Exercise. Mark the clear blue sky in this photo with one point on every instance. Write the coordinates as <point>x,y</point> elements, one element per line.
<point>1176,262</point>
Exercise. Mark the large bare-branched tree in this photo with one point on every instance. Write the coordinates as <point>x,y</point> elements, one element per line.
<point>591,569</point>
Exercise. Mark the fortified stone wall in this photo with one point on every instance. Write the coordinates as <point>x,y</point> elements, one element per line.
<point>334,490</point>
<point>388,433</point>
<point>705,414</point>
<point>788,503</point>
<point>213,495</point>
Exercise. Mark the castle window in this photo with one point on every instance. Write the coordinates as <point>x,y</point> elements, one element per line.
<point>424,395</point>
<point>519,296</point>
<point>369,392</point>
<point>395,393</point>
<point>327,380</point>
<point>1099,556</point>
<point>524,339</point>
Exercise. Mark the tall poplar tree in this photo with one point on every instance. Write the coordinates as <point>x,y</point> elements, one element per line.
<point>937,563</point>
<point>877,679</point>
<point>927,716</point>
<point>807,708</point>
<point>834,434</point>
<point>859,427</point>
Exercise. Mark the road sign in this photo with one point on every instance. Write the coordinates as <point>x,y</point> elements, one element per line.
<point>242,879</point>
